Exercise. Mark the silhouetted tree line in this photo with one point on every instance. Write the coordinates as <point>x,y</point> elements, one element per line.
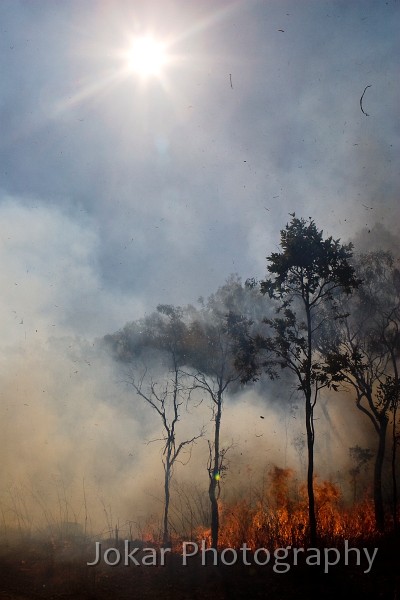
<point>325,315</point>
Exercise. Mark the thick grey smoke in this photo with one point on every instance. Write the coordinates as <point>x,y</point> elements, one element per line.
<point>77,443</point>
<point>118,196</point>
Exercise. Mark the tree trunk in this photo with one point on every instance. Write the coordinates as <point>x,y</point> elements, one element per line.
<point>214,513</point>
<point>312,520</point>
<point>394,460</point>
<point>310,472</point>
<point>215,476</point>
<point>167,478</point>
<point>380,455</point>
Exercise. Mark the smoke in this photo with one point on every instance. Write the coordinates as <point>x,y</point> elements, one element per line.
<point>376,238</point>
<point>60,425</point>
<point>77,443</point>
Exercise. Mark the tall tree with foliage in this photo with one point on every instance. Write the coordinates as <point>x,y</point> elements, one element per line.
<point>307,276</point>
<point>366,351</point>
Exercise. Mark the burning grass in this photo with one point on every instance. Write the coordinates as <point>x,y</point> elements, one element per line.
<point>275,517</point>
<point>278,516</point>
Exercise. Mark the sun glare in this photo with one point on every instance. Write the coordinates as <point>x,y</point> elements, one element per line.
<point>147,57</point>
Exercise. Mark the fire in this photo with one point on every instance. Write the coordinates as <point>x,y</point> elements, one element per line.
<point>279,516</point>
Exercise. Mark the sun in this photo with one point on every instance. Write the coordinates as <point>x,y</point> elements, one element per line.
<point>147,57</point>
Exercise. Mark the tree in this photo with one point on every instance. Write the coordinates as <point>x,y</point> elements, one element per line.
<point>199,348</point>
<point>166,332</point>
<point>201,341</point>
<point>395,444</point>
<point>166,402</point>
<point>365,349</point>
<point>307,276</point>
<point>211,354</point>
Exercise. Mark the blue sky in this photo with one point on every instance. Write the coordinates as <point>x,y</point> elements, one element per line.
<point>117,194</point>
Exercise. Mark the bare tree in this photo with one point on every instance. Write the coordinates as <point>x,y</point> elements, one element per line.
<point>167,335</point>
<point>166,401</point>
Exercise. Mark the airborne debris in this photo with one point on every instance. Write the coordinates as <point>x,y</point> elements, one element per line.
<point>361,100</point>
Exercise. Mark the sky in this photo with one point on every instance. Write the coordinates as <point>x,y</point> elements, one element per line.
<point>119,192</point>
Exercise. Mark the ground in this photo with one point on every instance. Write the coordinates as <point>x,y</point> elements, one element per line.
<point>59,572</point>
